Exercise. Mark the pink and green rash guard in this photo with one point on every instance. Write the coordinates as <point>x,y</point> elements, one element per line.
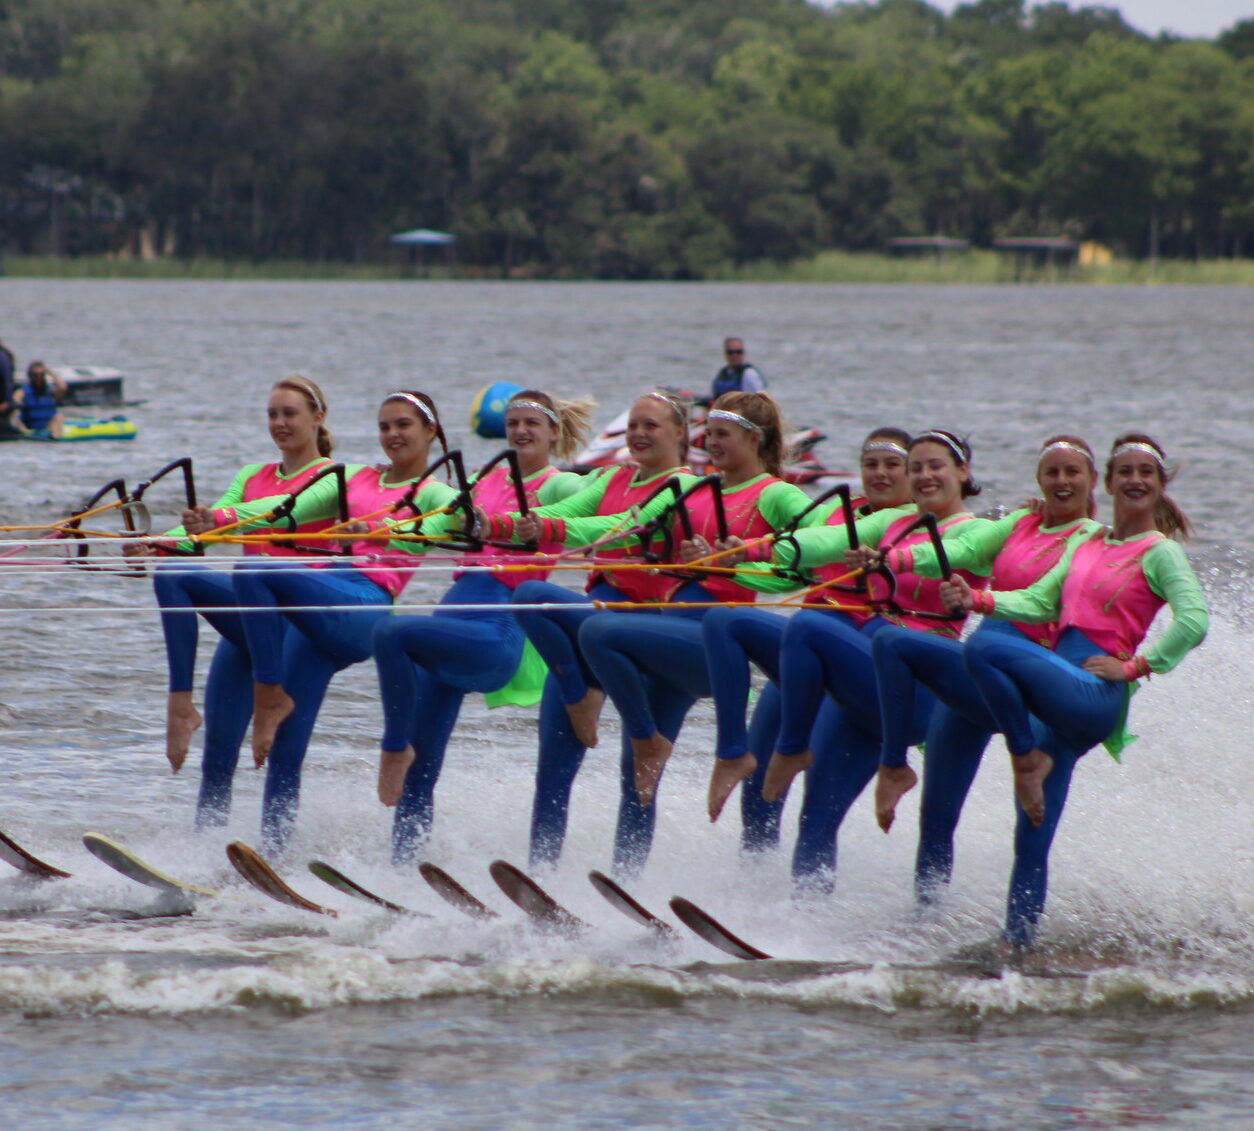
<point>758,506</point>
<point>824,548</point>
<point>755,508</point>
<point>264,483</point>
<point>1110,590</point>
<point>367,491</point>
<point>613,491</point>
<point>1016,551</point>
<point>495,495</point>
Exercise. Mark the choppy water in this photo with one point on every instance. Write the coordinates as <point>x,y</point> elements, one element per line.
<point>1139,1010</point>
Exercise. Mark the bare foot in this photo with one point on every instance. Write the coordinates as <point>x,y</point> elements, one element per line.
<point>181,722</point>
<point>1031,770</point>
<point>780,772</point>
<point>649,757</point>
<point>585,715</point>
<point>393,767</point>
<point>271,705</point>
<point>892,784</point>
<point>727,774</point>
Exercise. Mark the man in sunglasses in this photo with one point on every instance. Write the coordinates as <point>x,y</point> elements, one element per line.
<point>737,376</point>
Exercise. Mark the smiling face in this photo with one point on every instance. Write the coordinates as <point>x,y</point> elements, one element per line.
<point>293,423</point>
<point>405,435</point>
<point>936,479</point>
<point>531,434</point>
<point>654,434</point>
<point>1067,481</point>
<point>732,449</point>
<point>1135,482</point>
<point>884,479</point>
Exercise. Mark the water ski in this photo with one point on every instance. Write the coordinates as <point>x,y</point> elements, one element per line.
<point>266,880</point>
<point>452,892</point>
<point>122,859</point>
<point>540,907</point>
<point>704,925</point>
<point>13,853</point>
<point>618,897</point>
<point>342,883</point>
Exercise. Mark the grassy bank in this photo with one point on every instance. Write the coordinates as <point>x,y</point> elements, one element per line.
<point>985,267</point>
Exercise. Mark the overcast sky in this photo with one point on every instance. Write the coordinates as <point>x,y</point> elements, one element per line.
<point>1204,18</point>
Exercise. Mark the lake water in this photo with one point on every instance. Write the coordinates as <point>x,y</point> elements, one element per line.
<point>1140,1009</point>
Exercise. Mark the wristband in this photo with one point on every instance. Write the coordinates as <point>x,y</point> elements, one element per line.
<point>758,552</point>
<point>1136,668</point>
<point>900,559</point>
<point>223,517</point>
<point>552,530</point>
<point>983,601</point>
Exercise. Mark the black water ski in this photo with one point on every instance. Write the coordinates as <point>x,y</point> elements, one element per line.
<point>452,892</point>
<point>13,853</point>
<point>618,897</point>
<point>266,880</point>
<point>705,926</point>
<point>540,907</point>
<point>342,883</point>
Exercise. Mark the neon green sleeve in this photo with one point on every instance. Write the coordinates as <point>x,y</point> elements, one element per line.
<point>232,497</point>
<point>581,503</point>
<point>821,545</point>
<point>581,531</point>
<point>1170,575</point>
<point>560,486</point>
<point>432,495</point>
<point>970,545</point>
<point>781,503</point>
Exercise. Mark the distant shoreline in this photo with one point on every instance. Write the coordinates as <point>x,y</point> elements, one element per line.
<point>971,267</point>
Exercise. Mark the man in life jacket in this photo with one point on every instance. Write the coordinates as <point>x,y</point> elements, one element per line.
<point>39,400</point>
<point>737,376</point>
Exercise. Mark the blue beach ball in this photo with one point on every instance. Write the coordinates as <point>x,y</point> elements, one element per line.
<point>487,410</point>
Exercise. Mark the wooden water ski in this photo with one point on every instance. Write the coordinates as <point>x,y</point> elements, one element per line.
<point>267,881</point>
<point>13,853</point>
<point>122,859</point>
<point>617,896</point>
<point>540,907</point>
<point>342,883</point>
<point>705,926</point>
<point>452,892</point>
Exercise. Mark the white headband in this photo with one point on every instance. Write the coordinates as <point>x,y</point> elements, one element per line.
<point>1065,446</point>
<point>679,412</point>
<point>538,407</point>
<point>734,418</point>
<point>417,402</point>
<point>948,441</point>
<point>1136,446</point>
<point>306,388</point>
<point>884,446</point>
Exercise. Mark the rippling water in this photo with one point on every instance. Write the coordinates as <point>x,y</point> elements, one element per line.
<point>1138,1009</point>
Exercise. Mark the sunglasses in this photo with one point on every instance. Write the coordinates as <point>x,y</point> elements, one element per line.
<point>731,352</point>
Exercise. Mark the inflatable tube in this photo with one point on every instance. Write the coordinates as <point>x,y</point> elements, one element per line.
<point>115,428</point>
<point>487,410</point>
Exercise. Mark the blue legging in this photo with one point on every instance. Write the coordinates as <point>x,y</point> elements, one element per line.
<point>555,631</point>
<point>734,639</point>
<point>821,653</point>
<point>555,634</point>
<point>303,659</point>
<point>182,587</point>
<point>1042,699</point>
<point>845,759</point>
<point>426,666</point>
<point>959,730</point>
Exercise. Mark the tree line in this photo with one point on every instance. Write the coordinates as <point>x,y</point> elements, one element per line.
<point>616,139</point>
